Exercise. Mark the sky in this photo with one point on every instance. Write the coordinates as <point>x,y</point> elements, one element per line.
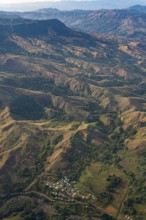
<point>24,1</point>
<point>20,1</point>
<point>28,5</point>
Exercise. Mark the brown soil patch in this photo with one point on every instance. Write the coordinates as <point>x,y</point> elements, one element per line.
<point>111,209</point>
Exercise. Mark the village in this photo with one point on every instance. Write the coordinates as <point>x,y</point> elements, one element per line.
<point>66,190</point>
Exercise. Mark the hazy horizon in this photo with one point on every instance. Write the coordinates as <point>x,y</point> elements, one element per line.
<point>28,5</point>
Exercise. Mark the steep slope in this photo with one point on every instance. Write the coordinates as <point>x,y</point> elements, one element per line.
<point>72,113</point>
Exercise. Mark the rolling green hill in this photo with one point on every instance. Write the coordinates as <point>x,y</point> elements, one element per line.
<point>72,124</point>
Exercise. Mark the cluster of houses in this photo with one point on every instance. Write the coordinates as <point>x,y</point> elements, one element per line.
<point>65,190</point>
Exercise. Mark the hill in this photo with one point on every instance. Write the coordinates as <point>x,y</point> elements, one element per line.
<point>72,123</point>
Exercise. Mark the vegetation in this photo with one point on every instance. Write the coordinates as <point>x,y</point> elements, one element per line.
<point>25,207</point>
<point>26,107</point>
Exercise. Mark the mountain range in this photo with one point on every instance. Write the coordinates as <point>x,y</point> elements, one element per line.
<point>72,116</point>
<point>126,22</point>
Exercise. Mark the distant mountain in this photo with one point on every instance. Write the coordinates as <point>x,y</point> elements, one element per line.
<point>9,17</point>
<point>138,8</point>
<point>29,28</point>
<point>52,29</point>
<point>128,23</point>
